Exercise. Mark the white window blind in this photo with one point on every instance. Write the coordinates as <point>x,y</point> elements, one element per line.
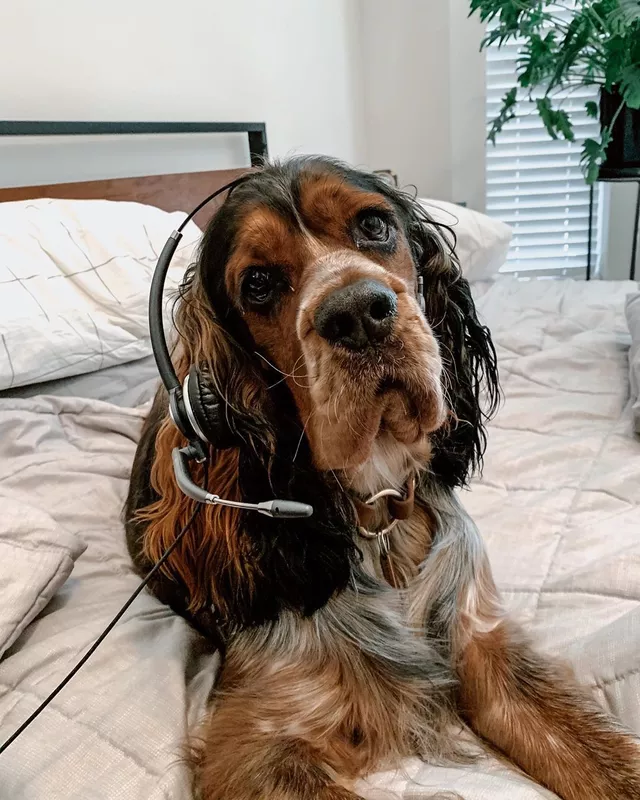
<point>535,183</point>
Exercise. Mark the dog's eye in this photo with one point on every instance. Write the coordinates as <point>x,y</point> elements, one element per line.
<point>374,227</point>
<point>258,286</point>
<point>261,287</point>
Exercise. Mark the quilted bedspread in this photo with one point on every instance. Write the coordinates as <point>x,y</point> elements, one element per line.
<point>557,505</point>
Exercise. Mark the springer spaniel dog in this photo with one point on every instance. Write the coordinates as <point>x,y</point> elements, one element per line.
<point>330,313</point>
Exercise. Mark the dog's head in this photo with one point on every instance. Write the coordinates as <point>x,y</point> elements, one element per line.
<point>303,313</point>
<point>309,273</point>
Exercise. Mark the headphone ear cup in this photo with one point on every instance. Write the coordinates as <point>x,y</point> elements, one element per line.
<point>209,411</point>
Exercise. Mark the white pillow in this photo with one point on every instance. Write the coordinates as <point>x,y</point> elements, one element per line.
<point>74,284</point>
<point>482,242</point>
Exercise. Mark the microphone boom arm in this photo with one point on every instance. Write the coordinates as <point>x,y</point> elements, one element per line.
<point>278,509</point>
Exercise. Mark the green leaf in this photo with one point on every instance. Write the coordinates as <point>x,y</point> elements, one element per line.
<point>506,114</point>
<point>592,148</point>
<point>497,36</point>
<point>546,115</point>
<point>630,85</point>
<point>592,109</point>
<point>556,121</point>
<point>487,9</point>
<point>538,60</point>
<point>593,154</point>
<point>564,125</point>
<point>511,18</point>
<point>616,54</point>
<point>624,15</point>
<point>591,159</point>
<point>592,171</point>
<point>570,50</point>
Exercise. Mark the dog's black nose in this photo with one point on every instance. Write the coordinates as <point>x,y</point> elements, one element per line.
<point>357,315</point>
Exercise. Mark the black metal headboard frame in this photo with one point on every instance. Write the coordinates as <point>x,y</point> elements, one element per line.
<point>256,131</point>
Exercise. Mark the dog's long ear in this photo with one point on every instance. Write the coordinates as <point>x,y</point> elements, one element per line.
<point>210,563</point>
<point>469,358</point>
<point>471,382</point>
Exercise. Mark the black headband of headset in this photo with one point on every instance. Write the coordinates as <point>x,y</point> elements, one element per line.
<point>156,323</point>
<point>178,405</point>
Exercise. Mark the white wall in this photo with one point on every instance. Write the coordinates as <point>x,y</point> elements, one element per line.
<point>424,92</point>
<point>468,87</point>
<point>288,63</point>
<point>405,47</point>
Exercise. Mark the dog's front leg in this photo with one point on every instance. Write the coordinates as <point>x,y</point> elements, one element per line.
<point>272,732</point>
<point>529,708</point>
<point>244,756</point>
<point>535,714</point>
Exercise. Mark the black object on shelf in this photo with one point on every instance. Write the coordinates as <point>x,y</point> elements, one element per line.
<point>609,174</point>
<point>623,151</point>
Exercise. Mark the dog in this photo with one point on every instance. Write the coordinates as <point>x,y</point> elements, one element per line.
<point>330,313</point>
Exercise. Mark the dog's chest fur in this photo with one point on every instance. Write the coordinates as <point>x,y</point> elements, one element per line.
<point>354,673</point>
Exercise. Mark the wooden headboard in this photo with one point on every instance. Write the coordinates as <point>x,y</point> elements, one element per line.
<point>173,192</point>
<point>179,192</point>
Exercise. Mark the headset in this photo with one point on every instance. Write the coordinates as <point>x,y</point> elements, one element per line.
<point>196,408</point>
<point>200,414</point>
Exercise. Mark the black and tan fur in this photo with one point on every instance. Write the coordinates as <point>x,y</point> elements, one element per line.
<point>337,665</point>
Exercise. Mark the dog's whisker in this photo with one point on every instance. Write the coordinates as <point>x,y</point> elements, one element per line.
<point>338,397</point>
<point>277,369</point>
<point>357,434</point>
<point>333,472</point>
<point>303,385</point>
<point>451,359</point>
<point>435,325</point>
<point>277,383</point>
<point>295,378</point>
<point>304,429</point>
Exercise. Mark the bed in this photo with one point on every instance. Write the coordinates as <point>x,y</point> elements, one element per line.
<point>557,504</point>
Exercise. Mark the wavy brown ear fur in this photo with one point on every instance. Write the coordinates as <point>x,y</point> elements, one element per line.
<point>470,365</point>
<point>211,562</point>
<point>469,358</point>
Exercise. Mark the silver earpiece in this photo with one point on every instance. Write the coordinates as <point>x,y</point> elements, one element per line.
<point>421,302</point>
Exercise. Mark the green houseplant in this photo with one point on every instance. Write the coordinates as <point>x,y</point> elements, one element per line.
<point>597,43</point>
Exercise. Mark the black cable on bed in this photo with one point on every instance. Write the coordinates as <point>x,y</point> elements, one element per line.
<point>104,633</point>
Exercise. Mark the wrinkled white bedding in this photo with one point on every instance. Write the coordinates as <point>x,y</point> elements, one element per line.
<point>558,506</point>
<point>37,557</point>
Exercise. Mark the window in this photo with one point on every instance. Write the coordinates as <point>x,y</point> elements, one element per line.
<point>535,184</point>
